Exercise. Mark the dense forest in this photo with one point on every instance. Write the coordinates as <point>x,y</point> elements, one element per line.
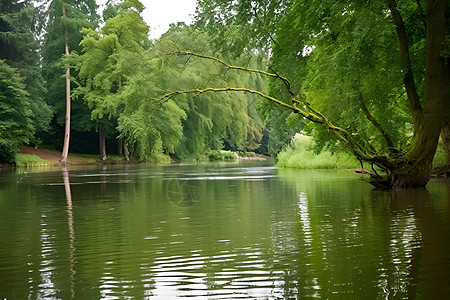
<point>369,78</point>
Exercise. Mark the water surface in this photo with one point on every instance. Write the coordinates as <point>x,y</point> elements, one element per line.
<point>219,231</point>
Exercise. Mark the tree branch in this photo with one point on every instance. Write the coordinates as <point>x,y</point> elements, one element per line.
<point>265,28</point>
<point>274,75</point>
<point>408,79</point>
<point>374,122</point>
<point>314,116</point>
<point>167,97</point>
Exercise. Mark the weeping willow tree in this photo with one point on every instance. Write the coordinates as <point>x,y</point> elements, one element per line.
<point>364,47</point>
<point>214,121</point>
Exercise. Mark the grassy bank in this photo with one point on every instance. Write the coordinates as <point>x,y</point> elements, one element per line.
<point>301,154</point>
<point>23,160</point>
<point>30,156</point>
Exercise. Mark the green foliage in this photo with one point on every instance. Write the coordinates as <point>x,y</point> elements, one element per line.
<point>356,44</point>
<point>115,72</point>
<point>18,47</point>
<point>79,14</point>
<point>214,120</point>
<point>239,26</point>
<point>440,156</point>
<point>314,45</point>
<point>303,154</point>
<point>122,79</point>
<point>16,125</point>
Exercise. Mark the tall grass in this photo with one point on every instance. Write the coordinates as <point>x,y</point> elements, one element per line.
<point>300,154</point>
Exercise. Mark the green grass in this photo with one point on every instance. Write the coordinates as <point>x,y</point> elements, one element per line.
<point>31,160</point>
<point>221,155</point>
<point>300,154</point>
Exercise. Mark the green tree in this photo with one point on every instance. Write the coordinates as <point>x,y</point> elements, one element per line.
<point>65,21</point>
<point>214,121</point>
<point>352,42</point>
<point>122,75</point>
<point>112,69</point>
<point>16,125</point>
<point>19,48</point>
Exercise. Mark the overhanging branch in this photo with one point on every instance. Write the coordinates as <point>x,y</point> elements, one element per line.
<point>314,116</point>
<point>297,106</point>
<point>274,75</point>
<point>166,97</point>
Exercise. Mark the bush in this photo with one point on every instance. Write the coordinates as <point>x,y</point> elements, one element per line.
<point>301,154</point>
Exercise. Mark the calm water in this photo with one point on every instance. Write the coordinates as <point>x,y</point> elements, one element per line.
<point>219,231</point>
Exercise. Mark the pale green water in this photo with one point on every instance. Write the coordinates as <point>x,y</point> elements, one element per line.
<point>225,231</point>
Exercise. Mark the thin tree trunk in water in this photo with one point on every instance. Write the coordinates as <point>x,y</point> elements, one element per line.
<point>65,152</point>
<point>102,142</point>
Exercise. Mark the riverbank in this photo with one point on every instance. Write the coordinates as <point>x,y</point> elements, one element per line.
<point>42,157</point>
<point>30,156</point>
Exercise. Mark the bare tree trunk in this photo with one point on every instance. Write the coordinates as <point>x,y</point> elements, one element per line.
<point>102,142</point>
<point>126,153</point>
<point>65,152</point>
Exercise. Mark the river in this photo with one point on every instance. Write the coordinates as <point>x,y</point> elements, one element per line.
<point>243,230</point>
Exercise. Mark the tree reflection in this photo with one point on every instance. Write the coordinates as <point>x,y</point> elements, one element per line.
<point>70,224</point>
<point>392,244</point>
<point>419,260</point>
<point>431,251</point>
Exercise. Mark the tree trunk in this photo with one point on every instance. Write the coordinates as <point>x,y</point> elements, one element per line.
<point>65,152</point>
<point>102,142</point>
<point>445,135</point>
<point>126,153</point>
<point>445,132</point>
<point>120,146</point>
<point>413,169</point>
